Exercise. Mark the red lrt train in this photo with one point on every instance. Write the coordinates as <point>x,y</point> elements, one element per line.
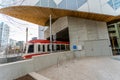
<point>40,47</point>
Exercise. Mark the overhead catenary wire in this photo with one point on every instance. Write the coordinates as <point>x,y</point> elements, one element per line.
<point>5,3</point>
<point>12,22</point>
<point>19,29</point>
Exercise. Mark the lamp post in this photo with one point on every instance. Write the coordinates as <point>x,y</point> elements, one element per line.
<point>26,35</point>
<point>50,33</point>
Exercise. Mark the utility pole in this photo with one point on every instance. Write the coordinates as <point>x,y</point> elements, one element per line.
<point>26,35</point>
<point>50,34</point>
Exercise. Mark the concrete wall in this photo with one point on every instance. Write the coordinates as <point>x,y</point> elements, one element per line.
<point>81,30</point>
<point>14,70</point>
<point>57,26</point>
<point>42,62</point>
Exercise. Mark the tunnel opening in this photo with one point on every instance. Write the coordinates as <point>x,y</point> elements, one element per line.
<point>62,35</point>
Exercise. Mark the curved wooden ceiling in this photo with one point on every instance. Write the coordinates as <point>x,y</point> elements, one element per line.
<point>40,15</point>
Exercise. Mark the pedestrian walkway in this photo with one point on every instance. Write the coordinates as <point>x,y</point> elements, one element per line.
<point>89,68</point>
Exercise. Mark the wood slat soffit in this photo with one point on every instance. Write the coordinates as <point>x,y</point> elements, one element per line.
<point>40,15</point>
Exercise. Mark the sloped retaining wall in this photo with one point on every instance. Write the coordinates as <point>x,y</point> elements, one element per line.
<point>14,70</point>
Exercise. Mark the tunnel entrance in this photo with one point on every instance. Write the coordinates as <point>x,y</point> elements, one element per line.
<point>62,35</point>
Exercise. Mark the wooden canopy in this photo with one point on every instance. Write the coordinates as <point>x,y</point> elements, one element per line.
<point>40,15</point>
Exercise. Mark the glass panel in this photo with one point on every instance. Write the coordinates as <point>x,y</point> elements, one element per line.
<point>71,4</point>
<point>43,48</point>
<point>31,49</point>
<point>67,47</point>
<point>44,3</point>
<point>62,4</point>
<point>52,4</point>
<point>48,47</point>
<point>115,4</point>
<point>111,26</point>
<point>52,47</point>
<point>38,3</point>
<point>39,48</point>
<point>113,30</point>
<point>58,47</point>
<point>62,47</point>
<point>81,2</point>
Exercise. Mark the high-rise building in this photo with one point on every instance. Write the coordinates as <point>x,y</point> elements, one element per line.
<point>41,32</point>
<point>34,38</point>
<point>4,35</point>
<point>12,42</point>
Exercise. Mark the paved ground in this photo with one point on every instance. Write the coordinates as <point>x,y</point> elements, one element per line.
<point>89,68</point>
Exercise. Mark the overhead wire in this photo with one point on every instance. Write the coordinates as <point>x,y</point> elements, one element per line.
<point>21,29</point>
<point>11,20</point>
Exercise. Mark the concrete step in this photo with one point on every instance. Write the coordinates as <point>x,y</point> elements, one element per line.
<point>37,76</point>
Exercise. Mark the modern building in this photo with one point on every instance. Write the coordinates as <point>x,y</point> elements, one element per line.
<point>114,33</point>
<point>110,7</point>
<point>41,31</point>
<point>91,35</point>
<point>12,42</point>
<point>84,23</point>
<point>20,46</point>
<point>4,35</point>
<point>34,38</point>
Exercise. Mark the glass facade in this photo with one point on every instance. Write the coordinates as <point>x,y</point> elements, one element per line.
<point>4,35</point>
<point>72,4</point>
<point>62,4</point>
<point>52,4</point>
<point>38,3</point>
<point>111,7</point>
<point>81,2</point>
<point>114,34</point>
<point>115,4</point>
<point>45,3</point>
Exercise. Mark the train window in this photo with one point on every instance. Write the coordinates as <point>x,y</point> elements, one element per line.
<point>43,48</point>
<point>58,47</point>
<point>31,49</point>
<point>48,47</point>
<point>52,47</point>
<point>67,47</point>
<point>39,46</point>
<point>62,47</point>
